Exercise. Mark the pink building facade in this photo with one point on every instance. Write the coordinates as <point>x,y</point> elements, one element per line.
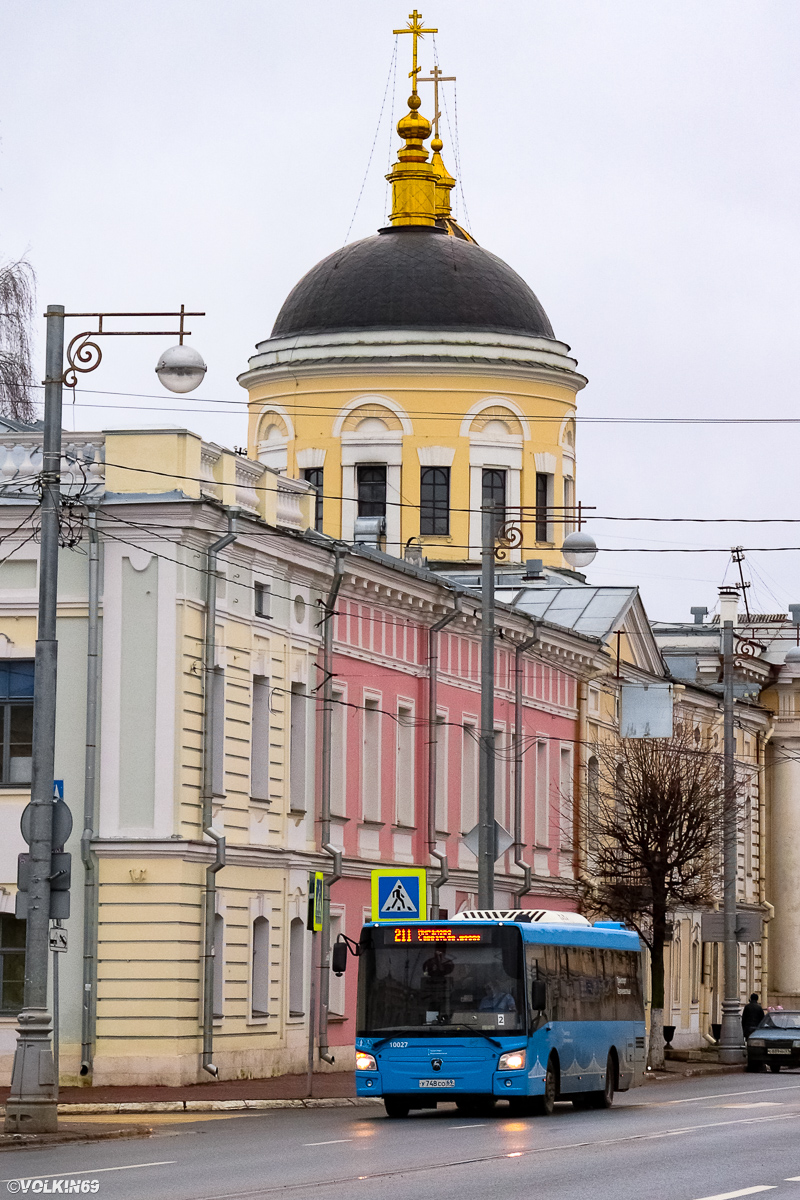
<point>380,752</point>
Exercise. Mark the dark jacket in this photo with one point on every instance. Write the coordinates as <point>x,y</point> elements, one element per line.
<point>752,1016</point>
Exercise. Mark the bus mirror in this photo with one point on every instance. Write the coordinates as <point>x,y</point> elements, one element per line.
<point>538,995</point>
<point>339,958</point>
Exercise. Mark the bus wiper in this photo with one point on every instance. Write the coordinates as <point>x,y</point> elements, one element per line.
<point>472,1029</point>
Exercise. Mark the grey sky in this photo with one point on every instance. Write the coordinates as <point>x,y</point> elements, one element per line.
<point>636,163</point>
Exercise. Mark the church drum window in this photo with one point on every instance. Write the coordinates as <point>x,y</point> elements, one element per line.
<point>314,476</point>
<point>494,492</point>
<point>371,490</point>
<point>434,499</point>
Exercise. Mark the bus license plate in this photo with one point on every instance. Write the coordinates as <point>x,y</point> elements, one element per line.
<point>779,1052</point>
<point>437,1083</point>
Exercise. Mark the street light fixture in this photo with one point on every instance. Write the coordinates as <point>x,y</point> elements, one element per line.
<point>181,369</point>
<point>32,1104</point>
<point>579,548</point>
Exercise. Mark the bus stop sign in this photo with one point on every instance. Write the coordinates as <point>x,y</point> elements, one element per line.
<point>399,895</point>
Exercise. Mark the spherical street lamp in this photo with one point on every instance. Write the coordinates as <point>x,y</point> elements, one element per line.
<point>181,369</point>
<point>579,548</point>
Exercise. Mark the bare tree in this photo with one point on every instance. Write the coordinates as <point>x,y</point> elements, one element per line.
<point>17,298</point>
<point>653,827</point>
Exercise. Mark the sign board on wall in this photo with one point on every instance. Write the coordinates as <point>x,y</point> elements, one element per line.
<point>646,710</point>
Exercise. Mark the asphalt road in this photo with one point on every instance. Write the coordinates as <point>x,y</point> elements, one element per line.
<point>688,1139</point>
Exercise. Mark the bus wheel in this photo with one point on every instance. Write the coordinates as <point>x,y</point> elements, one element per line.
<point>546,1104</point>
<point>396,1106</point>
<point>605,1098</point>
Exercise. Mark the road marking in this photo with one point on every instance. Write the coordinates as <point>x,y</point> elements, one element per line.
<point>768,1187</point>
<point>168,1162</point>
<point>792,1087</point>
<point>754,1104</point>
<point>482,1125</point>
<point>332,1142</point>
<point>792,1179</point>
<point>285,1188</point>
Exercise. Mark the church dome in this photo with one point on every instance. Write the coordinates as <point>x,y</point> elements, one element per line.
<point>412,277</point>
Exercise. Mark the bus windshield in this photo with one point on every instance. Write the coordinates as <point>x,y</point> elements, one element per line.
<point>443,981</point>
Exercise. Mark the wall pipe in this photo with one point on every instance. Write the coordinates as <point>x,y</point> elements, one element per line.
<point>762,858</point>
<point>433,739</point>
<point>519,844</point>
<point>339,552</point>
<point>88,857</point>
<point>207,790</point>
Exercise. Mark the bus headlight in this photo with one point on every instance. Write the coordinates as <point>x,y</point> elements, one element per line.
<point>514,1060</point>
<point>365,1062</point>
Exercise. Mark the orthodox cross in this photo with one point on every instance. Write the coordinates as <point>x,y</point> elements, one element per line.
<point>416,31</point>
<point>436,77</point>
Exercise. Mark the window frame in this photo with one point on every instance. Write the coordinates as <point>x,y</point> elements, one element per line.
<point>9,668</point>
<point>375,502</point>
<point>316,476</point>
<point>434,511</point>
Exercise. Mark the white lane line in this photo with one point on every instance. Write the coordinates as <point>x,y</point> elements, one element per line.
<point>754,1104</point>
<point>770,1187</point>
<point>792,1087</point>
<point>792,1179</point>
<point>482,1125</point>
<point>332,1142</point>
<point>168,1162</point>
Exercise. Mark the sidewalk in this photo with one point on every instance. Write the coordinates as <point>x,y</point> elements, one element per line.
<point>327,1085</point>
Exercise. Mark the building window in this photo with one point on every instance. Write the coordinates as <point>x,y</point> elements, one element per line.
<point>371,762</point>
<point>434,501</point>
<point>442,730</point>
<point>296,967</point>
<point>219,962</point>
<point>405,766</point>
<point>338,754</point>
<point>262,599</point>
<point>542,498</point>
<point>298,748</point>
<point>542,812</point>
<point>259,1004</point>
<point>371,491</point>
<point>218,732</point>
<point>494,492</point>
<point>566,798</point>
<point>16,706</point>
<point>314,475</point>
<point>336,1001</point>
<point>569,505</point>
<point>469,777</point>
<point>259,740</point>
<point>12,964</point>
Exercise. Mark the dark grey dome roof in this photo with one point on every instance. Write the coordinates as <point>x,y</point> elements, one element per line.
<point>412,278</point>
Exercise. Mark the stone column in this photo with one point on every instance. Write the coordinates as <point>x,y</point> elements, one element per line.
<point>783,868</point>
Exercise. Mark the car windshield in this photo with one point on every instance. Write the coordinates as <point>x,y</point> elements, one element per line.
<point>442,987</point>
<point>781,1020</point>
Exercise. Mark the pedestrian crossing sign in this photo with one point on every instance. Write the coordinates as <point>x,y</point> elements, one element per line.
<point>399,894</point>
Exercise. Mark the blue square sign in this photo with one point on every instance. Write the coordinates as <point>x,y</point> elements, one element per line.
<point>399,895</point>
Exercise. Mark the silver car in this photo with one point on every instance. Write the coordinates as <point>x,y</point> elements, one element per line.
<point>775,1043</point>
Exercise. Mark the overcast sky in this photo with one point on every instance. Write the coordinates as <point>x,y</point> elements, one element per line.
<point>636,163</point>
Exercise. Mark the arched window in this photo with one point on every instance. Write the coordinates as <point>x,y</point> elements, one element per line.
<point>695,972</point>
<point>219,963</point>
<point>296,967</point>
<point>259,992</point>
<point>434,501</point>
<point>494,492</point>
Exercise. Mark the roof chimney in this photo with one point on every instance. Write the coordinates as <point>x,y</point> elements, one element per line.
<point>728,604</point>
<point>698,614</point>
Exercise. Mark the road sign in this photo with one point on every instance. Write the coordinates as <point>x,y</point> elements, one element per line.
<point>58,939</point>
<point>399,895</point>
<point>502,840</point>
<point>748,926</point>
<point>62,822</point>
<point>315,899</point>
<point>58,789</point>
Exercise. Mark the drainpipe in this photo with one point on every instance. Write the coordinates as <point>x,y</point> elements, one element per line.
<point>325,803</point>
<point>433,738</point>
<point>207,790</point>
<point>519,844</point>
<point>88,857</point>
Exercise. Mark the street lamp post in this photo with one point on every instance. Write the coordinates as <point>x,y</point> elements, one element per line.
<point>731,1048</point>
<point>32,1104</point>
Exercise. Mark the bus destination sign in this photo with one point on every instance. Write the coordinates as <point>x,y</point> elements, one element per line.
<point>412,935</point>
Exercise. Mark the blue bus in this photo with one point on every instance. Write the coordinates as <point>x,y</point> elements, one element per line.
<point>527,1005</point>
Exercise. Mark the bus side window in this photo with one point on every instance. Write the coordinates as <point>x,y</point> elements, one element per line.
<point>606,980</point>
<point>555,993</point>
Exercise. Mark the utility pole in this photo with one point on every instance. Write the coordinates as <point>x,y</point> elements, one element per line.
<point>486,831</point>
<point>731,1039</point>
<point>32,1105</point>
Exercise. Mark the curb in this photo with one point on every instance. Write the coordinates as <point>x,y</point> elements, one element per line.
<point>201,1106</point>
